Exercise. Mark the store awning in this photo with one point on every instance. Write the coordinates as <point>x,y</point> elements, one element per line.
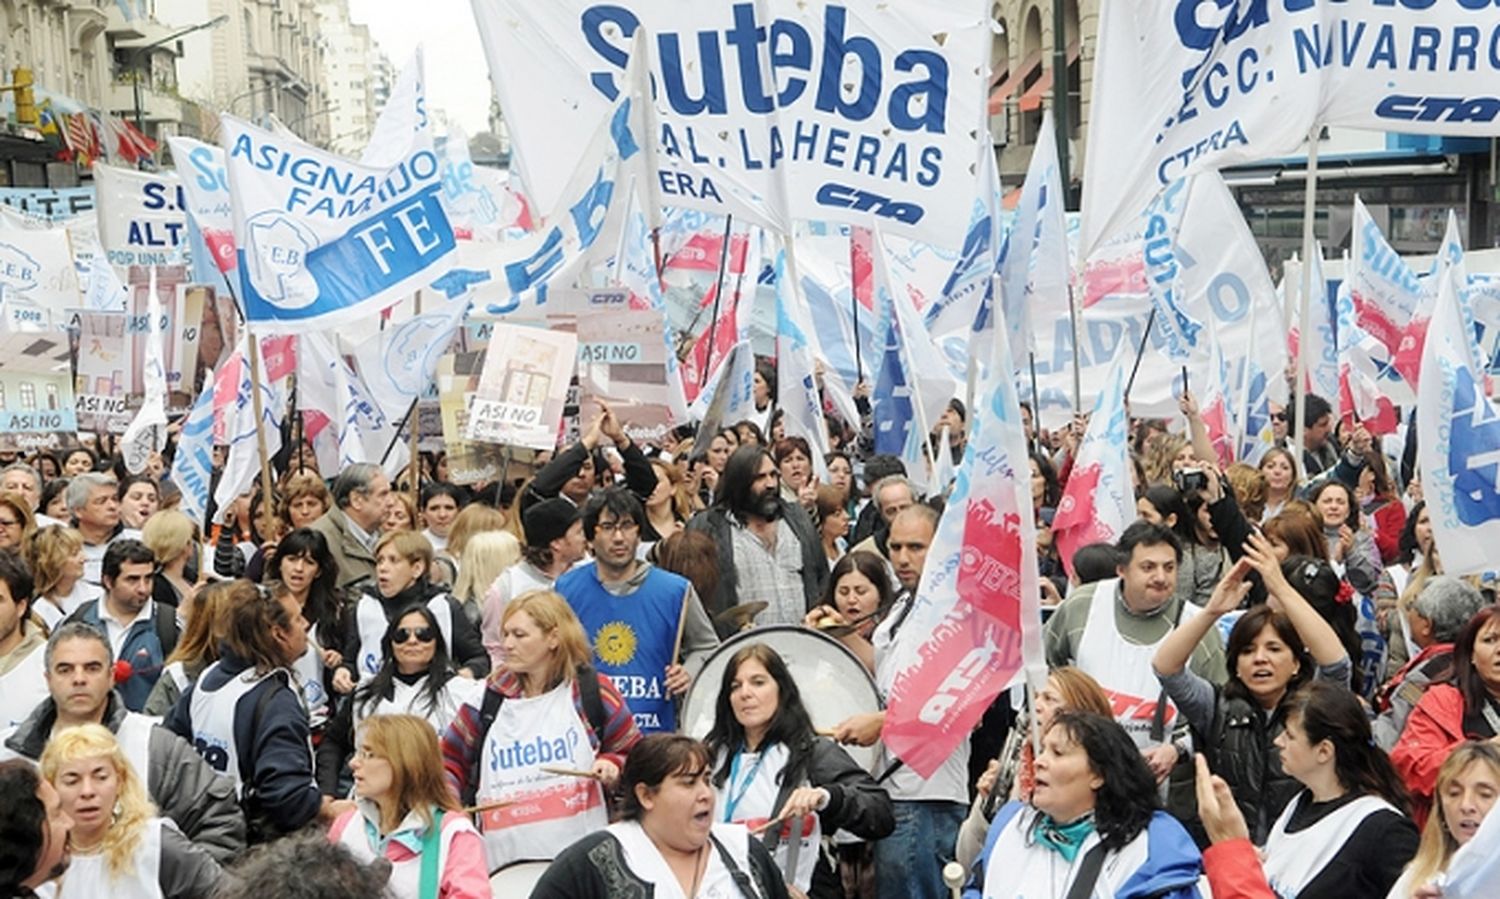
<point>1032,99</point>
<point>1010,81</point>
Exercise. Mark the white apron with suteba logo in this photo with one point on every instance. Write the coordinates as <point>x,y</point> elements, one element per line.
<point>1124,669</point>
<point>546,812</point>
<point>748,797</point>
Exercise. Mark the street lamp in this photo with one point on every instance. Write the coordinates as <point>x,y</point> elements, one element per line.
<point>136,56</point>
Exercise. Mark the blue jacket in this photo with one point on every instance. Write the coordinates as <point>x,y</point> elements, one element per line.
<point>278,759</point>
<point>146,647</point>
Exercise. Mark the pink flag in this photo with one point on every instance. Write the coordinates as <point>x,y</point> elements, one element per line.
<point>1098,501</point>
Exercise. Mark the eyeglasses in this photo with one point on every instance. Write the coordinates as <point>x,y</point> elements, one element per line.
<point>618,526</point>
<point>423,635</point>
<point>9,523</point>
<point>1278,416</point>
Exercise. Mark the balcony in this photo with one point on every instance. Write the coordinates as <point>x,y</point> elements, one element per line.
<point>159,100</point>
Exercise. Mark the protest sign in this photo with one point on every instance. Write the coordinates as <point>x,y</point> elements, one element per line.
<point>51,203</point>
<point>322,240</point>
<point>468,462</point>
<point>849,111</point>
<point>1183,87</point>
<point>36,390</point>
<point>38,276</point>
<point>523,387</point>
<point>142,217</point>
<point>103,372</point>
<point>622,360</point>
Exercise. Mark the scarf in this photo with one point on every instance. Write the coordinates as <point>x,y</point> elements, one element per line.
<point>1064,839</point>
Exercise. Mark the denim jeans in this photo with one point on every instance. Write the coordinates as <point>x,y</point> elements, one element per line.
<point>909,863</point>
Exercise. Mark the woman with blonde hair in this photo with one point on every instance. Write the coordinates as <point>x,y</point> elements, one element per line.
<point>486,555</point>
<point>16,520</point>
<point>120,847</point>
<point>669,506</point>
<point>473,519</point>
<point>403,811</point>
<point>1163,454</point>
<point>197,648</point>
<point>1467,787</point>
<point>55,556</point>
<point>171,537</point>
<point>1280,468</point>
<point>400,514</point>
<point>546,695</point>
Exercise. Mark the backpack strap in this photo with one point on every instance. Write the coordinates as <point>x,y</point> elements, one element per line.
<point>593,703</point>
<point>1088,873</point>
<point>741,879</point>
<point>488,709</point>
<point>167,632</point>
<point>432,848</point>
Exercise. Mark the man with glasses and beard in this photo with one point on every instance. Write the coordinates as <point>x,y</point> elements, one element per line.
<point>631,612</point>
<point>768,548</point>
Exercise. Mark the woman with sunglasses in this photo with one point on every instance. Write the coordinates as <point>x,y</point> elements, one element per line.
<point>416,679</point>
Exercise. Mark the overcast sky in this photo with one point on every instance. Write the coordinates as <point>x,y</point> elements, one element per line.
<point>457,77</point>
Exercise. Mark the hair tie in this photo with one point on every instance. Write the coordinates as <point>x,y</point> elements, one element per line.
<point>1345,594</point>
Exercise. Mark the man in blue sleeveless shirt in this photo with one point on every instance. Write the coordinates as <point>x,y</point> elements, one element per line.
<point>632,611</point>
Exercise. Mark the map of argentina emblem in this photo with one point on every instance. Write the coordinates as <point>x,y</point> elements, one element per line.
<point>276,257</point>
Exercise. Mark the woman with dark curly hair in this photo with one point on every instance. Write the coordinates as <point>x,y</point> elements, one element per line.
<point>1093,824</point>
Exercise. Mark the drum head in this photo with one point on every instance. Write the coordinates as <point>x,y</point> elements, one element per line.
<point>516,880</point>
<point>833,682</point>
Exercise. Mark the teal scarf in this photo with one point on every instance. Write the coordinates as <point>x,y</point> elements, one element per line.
<point>1064,839</point>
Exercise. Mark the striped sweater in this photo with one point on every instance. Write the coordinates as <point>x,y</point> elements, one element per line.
<point>463,742</point>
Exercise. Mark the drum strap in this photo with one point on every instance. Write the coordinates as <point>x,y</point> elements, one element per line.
<point>888,772</point>
<point>741,879</point>
<point>1088,873</point>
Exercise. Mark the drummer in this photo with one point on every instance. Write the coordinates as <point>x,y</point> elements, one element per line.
<point>859,593</point>
<point>769,766</point>
<point>635,614</point>
<point>667,842</point>
<point>549,732</point>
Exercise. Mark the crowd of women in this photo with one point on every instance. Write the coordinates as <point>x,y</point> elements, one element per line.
<point>408,670</point>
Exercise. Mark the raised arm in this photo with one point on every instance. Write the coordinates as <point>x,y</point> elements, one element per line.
<point>1175,651</point>
<point>1319,637</point>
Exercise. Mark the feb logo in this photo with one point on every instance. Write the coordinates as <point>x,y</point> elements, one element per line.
<point>276,255</point>
<point>19,271</point>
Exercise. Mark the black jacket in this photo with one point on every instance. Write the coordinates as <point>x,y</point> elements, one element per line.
<point>594,868</point>
<point>466,651</point>
<point>715,523</point>
<point>640,477</point>
<point>1242,750</point>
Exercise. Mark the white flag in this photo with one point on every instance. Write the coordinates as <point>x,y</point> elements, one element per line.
<point>147,432</point>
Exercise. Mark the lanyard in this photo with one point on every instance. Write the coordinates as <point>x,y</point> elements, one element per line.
<point>733,798</point>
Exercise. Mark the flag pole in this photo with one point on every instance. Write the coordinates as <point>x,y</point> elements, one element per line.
<point>1139,352</point>
<point>257,406</point>
<point>859,369</point>
<point>410,411</point>
<point>1077,374</point>
<point>1309,246</point>
<point>413,420</point>
<point>1036,402</point>
<point>713,321</point>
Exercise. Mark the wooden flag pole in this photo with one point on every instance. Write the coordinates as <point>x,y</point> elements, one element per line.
<point>268,493</point>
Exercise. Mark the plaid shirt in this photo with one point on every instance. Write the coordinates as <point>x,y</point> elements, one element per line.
<point>773,574</point>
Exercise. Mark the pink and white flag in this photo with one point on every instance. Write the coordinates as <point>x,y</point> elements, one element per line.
<point>205,186</point>
<point>1098,501</point>
<point>975,626</point>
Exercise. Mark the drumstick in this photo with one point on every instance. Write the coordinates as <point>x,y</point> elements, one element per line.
<point>825,732</point>
<point>568,772</point>
<point>681,629</point>
<point>764,826</point>
<point>488,806</point>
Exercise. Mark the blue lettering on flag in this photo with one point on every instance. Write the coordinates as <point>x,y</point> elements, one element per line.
<point>375,255</point>
<point>1474,452</point>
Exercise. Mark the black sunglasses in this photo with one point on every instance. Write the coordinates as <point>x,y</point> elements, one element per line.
<point>423,635</point>
<point>1278,416</point>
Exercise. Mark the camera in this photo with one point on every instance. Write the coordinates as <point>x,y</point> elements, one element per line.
<point>1187,479</point>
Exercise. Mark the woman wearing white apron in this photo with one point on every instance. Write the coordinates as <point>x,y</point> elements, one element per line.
<point>771,766</point>
<point>1347,833</point>
<point>667,844</point>
<point>403,560</point>
<point>416,679</point>
<point>1093,826</point>
<point>197,648</point>
<point>120,849</point>
<point>547,712</point>
<point>407,816</point>
<point>1468,785</point>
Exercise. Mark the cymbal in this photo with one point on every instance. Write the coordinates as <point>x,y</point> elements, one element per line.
<point>742,616</point>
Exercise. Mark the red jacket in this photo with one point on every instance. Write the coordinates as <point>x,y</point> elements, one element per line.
<point>1234,871</point>
<point>1436,725</point>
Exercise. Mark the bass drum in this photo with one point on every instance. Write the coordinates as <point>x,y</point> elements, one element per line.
<point>833,682</point>
<point>517,880</point>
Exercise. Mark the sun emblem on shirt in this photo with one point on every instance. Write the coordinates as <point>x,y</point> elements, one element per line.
<point>615,643</point>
